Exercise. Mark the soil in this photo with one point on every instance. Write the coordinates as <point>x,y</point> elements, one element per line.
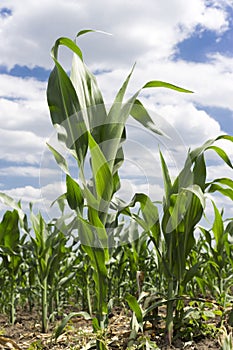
<point>26,335</point>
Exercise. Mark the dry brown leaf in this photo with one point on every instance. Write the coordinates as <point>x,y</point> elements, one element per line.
<point>9,343</point>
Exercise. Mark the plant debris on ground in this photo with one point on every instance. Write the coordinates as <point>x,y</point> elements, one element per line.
<point>26,335</point>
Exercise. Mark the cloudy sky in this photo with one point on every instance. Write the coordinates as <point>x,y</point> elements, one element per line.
<point>189,44</point>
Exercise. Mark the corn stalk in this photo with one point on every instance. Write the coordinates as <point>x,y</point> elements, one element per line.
<point>78,112</point>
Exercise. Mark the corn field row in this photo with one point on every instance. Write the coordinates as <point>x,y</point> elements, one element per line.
<point>146,256</point>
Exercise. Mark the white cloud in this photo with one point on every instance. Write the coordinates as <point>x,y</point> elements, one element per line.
<point>26,194</point>
<point>24,119</point>
<point>211,81</point>
<point>148,34</point>
<point>194,126</point>
<point>27,36</point>
<point>26,171</point>
<point>20,146</point>
<point>41,198</point>
<point>22,88</point>
<point>219,171</point>
<point>24,115</point>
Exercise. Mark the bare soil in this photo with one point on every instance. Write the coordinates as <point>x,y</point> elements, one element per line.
<point>26,335</point>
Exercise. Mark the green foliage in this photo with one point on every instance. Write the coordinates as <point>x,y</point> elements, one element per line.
<point>75,102</point>
<point>42,265</point>
<point>198,322</point>
<point>10,254</point>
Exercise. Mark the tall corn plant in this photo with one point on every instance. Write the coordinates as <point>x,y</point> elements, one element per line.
<point>78,112</point>
<point>183,208</point>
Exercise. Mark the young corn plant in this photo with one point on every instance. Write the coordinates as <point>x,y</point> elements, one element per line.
<point>183,208</point>
<point>220,260</point>
<point>13,230</point>
<point>11,255</point>
<point>86,128</point>
<point>48,246</point>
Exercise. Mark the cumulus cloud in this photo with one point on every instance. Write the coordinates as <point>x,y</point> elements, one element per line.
<point>26,171</point>
<point>27,194</point>
<point>20,146</point>
<point>22,88</point>
<point>146,34</point>
<point>27,36</point>
<point>194,126</point>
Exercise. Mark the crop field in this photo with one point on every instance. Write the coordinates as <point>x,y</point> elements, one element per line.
<point>106,273</point>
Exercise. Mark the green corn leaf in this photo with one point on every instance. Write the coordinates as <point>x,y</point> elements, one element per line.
<point>9,230</point>
<point>91,200</point>
<point>89,95</point>
<point>98,227</point>
<point>225,137</point>
<point>68,43</point>
<point>185,177</point>
<point>135,108</point>
<point>85,31</point>
<point>149,210</point>
<point>65,109</point>
<point>114,130</point>
<point>95,324</point>
<point>193,271</point>
<point>175,213</point>
<point>91,101</point>
<point>197,191</point>
<point>60,201</point>
<point>199,172</point>
<point>101,173</point>
<point>135,307</point>
<point>98,256</point>
<point>60,329</point>
<point>121,93</point>
<point>156,83</point>
<point>63,281</point>
<point>62,98</point>
<point>224,181</point>
<point>7,200</point>
<point>91,235</point>
<point>43,269</point>
<point>166,179</point>
<point>222,154</point>
<point>229,227</point>
<point>208,144</point>
<point>59,159</point>
<point>225,191</point>
<point>218,227</point>
<point>139,113</point>
<point>74,194</point>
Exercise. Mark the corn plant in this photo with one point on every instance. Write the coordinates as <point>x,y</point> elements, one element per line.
<point>226,340</point>
<point>78,112</point>
<point>220,260</point>
<point>11,243</point>
<point>53,266</point>
<point>183,208</point>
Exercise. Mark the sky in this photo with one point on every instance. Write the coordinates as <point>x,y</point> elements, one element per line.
<point>187,44</point>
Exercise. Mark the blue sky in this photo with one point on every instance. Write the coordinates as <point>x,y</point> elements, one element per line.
<point>188,45</point>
